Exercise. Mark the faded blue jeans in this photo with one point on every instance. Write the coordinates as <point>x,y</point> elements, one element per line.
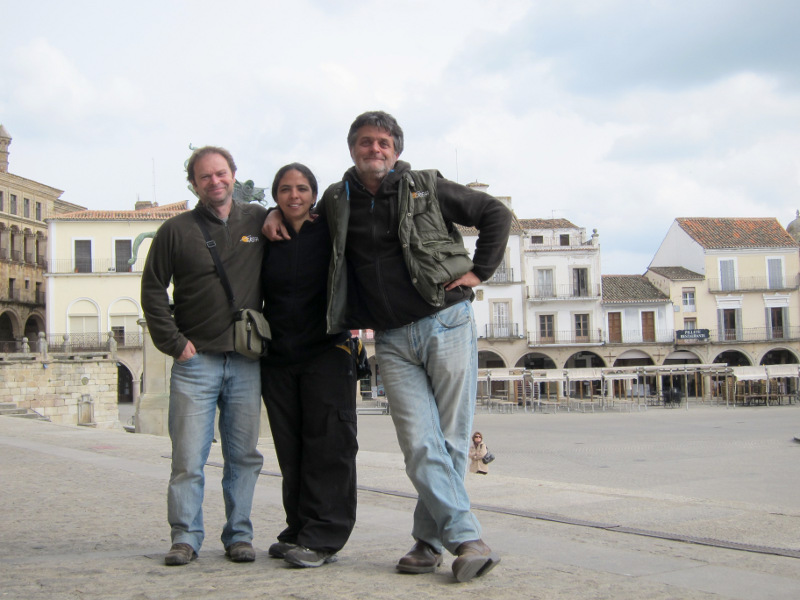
<point>429,371</point>
<point>197,387</point>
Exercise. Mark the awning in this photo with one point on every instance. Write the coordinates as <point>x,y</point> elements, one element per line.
<point>584,374</point>
<point>749,373</point>
<point>502,374</point>
<point>620,374</point>
<point>783,370</point>
<point>548,375</point>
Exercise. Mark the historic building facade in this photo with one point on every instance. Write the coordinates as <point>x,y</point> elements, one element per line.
<point>25,204</point>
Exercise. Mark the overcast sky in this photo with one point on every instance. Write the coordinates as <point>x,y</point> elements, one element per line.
<point>619,115</point>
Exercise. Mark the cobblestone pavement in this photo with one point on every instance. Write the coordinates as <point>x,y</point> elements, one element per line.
<point>692,504</point>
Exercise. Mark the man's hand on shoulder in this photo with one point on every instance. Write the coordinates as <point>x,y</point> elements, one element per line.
<point>274,227</point>
<point>468,279</point>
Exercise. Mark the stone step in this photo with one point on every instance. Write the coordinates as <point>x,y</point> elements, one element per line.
<point>20,413</point>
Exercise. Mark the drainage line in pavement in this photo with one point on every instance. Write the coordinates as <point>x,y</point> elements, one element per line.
<point>553,518</point>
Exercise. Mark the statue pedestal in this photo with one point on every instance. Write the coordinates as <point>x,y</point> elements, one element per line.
<point>152,406</point>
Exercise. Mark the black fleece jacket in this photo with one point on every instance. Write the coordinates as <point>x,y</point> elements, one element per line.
<point>294,280</point>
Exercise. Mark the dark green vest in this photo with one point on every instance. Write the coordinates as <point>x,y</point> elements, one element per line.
<point>433,255</point>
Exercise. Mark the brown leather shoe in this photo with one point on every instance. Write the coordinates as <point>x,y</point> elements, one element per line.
<point>420,559</point>
<point>475,558</point>
<point>179,554</point>
<point>241,552</point>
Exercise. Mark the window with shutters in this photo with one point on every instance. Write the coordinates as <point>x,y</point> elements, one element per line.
<point>544,283</point>
<point>727,274</point>
<point>776,322</point>
<point>580,282</point>
<point>730,324</point>
<point>83,256</point>
<point>775,273</point>
<point>615,327</point>
<point>122,253</point>
<point>688,300</point>
<point>546,329</point>
<point>582,328</point>
<point>500,320</point>
<point>648,326</point>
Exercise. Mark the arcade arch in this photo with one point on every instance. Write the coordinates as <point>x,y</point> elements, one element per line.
<point>488,359</point>
<point>733,358</point>
<point>779,356</point>
<point>536,360</point>
<point>682,357</point>
<point>633,358</point>
<point>584,360</point>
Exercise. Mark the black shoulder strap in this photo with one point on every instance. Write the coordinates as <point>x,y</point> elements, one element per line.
<point>212,248</point>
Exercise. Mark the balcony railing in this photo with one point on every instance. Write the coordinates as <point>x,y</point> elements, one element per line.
<point>500,331</point>
<point>538,293</point>
<point>97,265</point>
<point>16,255</point>
<point>502,276</point>
<point>752,284</point>
<point>755,334</point>
<point>564,337</point>
<point>3,253</point>
<point>74,342</point>
<point>634,336</point>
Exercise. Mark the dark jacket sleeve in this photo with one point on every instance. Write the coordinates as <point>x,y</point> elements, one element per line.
<point>487,214</point>
<point>158,270</point>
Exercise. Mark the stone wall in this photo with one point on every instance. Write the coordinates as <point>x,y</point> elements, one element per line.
<point>71,389</point>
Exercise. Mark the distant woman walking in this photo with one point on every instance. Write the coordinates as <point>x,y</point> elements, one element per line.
<point>476,453</point>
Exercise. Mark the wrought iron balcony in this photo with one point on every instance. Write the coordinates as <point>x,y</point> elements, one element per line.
<point>537,293</point>
<point>97,265</point>
<point>753,284</point>
<point>500,331</point>
<point>564,338</point>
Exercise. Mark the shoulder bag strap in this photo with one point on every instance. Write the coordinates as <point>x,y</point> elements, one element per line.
<point>212,248</point>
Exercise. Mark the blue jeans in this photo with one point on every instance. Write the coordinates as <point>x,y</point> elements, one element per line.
<point>197,387</point>
<point>429,371</point>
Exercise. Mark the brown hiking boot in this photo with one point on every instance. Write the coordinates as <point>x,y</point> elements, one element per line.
<point>420,559</point>
<point>241,552</point>
<point>475,558</point>
<point>179,554</point>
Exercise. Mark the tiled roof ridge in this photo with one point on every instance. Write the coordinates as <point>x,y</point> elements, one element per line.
<point>151,212</point>
<point>736,232</point>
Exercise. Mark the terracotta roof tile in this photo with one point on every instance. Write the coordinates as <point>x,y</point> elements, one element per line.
<point>676,273</point>
<point>153,213</point>
<point>515,228</point>
<point>547,224</point>
<point>719,233</point>
<point>630,288</point>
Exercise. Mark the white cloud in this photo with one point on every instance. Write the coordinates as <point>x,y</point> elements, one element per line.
<point>618,115</point>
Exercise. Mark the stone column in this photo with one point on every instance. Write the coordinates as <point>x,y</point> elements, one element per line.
<point>152,406</point>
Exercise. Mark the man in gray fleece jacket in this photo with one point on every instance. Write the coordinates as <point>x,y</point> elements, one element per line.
<point>207,372</point>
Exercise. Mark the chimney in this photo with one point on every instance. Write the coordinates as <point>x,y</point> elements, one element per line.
<point>142,205</point>
<point>481,187</point>
<point>5,140</point>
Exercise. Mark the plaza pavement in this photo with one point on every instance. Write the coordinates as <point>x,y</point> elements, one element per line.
<point>665,503</point>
